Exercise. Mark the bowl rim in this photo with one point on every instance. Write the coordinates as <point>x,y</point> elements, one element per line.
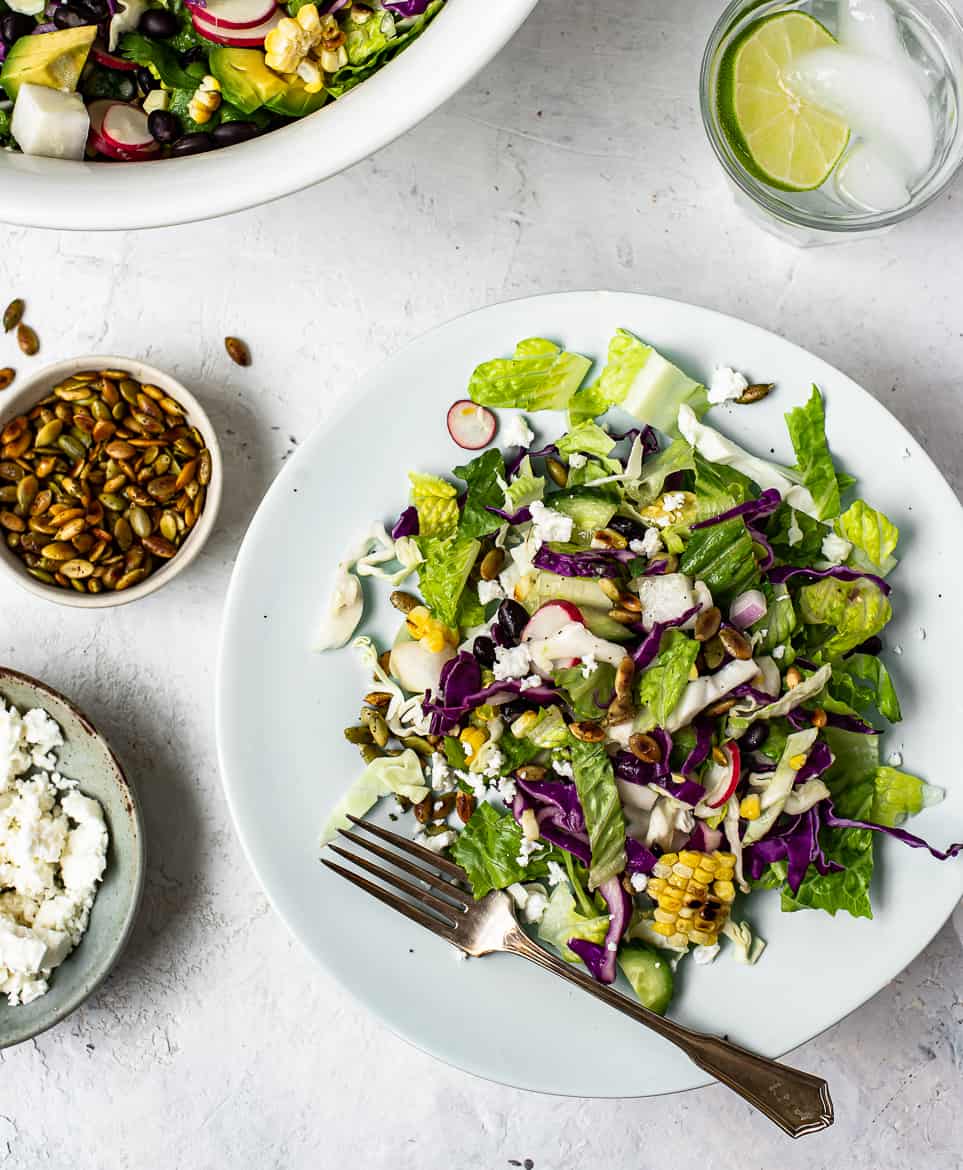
<point>138,860</point>
<point>30,392</point>
<point>455,46</point>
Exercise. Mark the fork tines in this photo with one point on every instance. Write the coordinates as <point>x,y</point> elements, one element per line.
<point>437,913</point>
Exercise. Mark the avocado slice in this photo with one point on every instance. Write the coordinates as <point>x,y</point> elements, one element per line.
<point>246,82</point>
<point>53,59</point>
<point>295,101</point>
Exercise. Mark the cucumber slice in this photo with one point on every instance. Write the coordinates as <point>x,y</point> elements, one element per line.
<point>588,513</point>
<point>650,975</point>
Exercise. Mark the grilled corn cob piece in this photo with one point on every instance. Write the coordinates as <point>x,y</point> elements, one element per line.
<point>693,893</point>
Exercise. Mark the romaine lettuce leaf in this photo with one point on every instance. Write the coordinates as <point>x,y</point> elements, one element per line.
<point>586,438</point>
<point>582,693</point>
<point>722,556</point>
<point>872,535</point>
<point>777,626</point>
<point>540,376</point>
<point>847,889</point>
<point>350,75</point>
<point>599,798</point>
<point>402,775</point>
<point>482,476</point>
<point>856,610</point>
<point>807,429</point>
<point>796,538</point>
<point>515,752</point>
<point>437,503</point>
<point>678,456</point>
<point>488,849</point>
<point>551,730</point>
<point>896,796</point>
<point>742,716</point>
<point>561,921</point>
<point>640,380</point>
<point>661,685</point>
<point>719,488</point>
<point>862,681</point>
<point>443,573</point>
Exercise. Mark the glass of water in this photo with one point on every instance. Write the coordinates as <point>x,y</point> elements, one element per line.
<point>835,119</point>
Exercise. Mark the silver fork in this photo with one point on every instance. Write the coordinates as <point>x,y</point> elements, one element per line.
<point>798,1102</point>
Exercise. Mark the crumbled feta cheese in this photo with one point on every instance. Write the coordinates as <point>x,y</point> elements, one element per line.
<point>589,665</point>
<point>835,549</point>
<point>527,849</point>
<point>534,909</point>
<point>556,874</point>
<point>704,955</point>
<point>507,789</point>
<point>563,768</point>
<point>438,842</point>
<point>673,501</point>
<point>779,652</point>
<point>726,385</point>
<point>516,432</point>
<point>493,762</point>
<point>490,591</point>
<point>533,680</point>
<point>577,460</point>
<point>794,534</point>
<point>651,542</point>
<point>895,759</point>
<point>549,525</point>
<point>511,662</point>
<point>441,781</point>
<point>53,851</point>
<point>638,882</point>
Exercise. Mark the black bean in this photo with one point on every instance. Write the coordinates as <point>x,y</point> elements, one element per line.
<point>147,81</point>
<point>15,25</point>
<point>872,645</point>
<point>510,711</point>
<point>158,23</point>
<point>194,55</point>
<point>627,527</point>
<point>164,126</point>
<point>484,650</point>
<point>512,618</point>
<point>193,144</point>
<point>756,735</point>
<point>64,17</point>
<point>94,10</point>
<point>230,133</point>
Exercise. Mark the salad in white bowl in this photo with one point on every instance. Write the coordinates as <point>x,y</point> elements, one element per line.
<point>641,677</point>
<point>139,80</point>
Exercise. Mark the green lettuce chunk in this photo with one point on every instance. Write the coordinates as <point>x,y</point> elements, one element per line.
<point>722,556</point>
<point>540,376</point>
<point>872,535</point>
<point>488,849</point>
<point>401,775</point>
<point>862,681</point>
<point>855,610</point>
<point>807,429</point>
<point>482,475</point>
<point>582,693</point>
<point>661,685</point>
<point>599,798</point>
<point>443,573</point>
<point>587,438</point>
<point>561,922</point>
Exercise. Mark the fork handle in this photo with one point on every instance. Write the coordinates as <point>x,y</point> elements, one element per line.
<point>798,1102</point>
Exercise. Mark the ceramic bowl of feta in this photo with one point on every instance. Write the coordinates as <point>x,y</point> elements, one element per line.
<point>72,858</point>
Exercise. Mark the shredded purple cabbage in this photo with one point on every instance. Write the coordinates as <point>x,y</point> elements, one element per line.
<point>638,858</point>
<point>600,957</point>
<point>558,812</point>
<point>461,692</point>
<point>800,719</point>
<point>688,791</point>
<point>512,465</point>
<point>636,771</point>
<point>832,821</point>
<point>407,524</point>
<point>760,698</point>
<point>704,839</point>
<point>594,562</point>
<point>819,760</point>
<point>657,567</point>
<point>648,648</point>
<point>520,517</point>
<point>784,572</point>
<point>797,843</point>
<point>770,558</point>
<point>700,753</point>
<point>767,503</point>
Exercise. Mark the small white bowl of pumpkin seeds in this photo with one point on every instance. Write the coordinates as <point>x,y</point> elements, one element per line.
<point>110,481</point>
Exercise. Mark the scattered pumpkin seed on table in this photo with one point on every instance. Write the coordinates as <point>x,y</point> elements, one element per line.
<point>13,314</point>
<point>27,340</point>
<point>237,351</point>
<point>101,482</point>
<point>7,375</point>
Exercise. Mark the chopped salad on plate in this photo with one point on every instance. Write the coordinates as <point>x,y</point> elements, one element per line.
<point>136,80</point>
<point>637,675</point>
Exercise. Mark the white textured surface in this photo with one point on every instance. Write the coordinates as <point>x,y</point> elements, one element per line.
<point>577,161</point>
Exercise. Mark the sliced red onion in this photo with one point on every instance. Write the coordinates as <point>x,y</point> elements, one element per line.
<point>748,608</point>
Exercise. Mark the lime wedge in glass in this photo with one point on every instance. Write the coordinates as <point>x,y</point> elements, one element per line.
<point>779,137</point>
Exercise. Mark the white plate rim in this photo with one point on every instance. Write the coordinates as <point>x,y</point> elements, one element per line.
<point>367,386</point>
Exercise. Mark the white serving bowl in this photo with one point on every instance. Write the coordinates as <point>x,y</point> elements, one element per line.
<point>37,387</point>
<point>54,193</point>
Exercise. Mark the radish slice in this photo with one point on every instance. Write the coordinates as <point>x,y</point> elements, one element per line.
<point>548,620</point>
<point>109,61</point>
<point>227,14</point>
<point>470,425</point>
<point>125,128</point>
<point>236,38</point>
<point>110,147</point>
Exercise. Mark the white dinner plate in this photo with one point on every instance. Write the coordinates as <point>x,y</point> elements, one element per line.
<point>281,710</point>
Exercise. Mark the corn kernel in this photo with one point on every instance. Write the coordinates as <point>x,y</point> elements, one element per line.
<point>677,880</point>
<point>472,739</point>
<point>725,891</point>
<point>750,808</point>
<point>663,928</point>
<point>688,857</point>
<point>724,858</point>
<point>703,876</point>
<point>796,762</point>
<point>664,916</point>
<point>703,938</point>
